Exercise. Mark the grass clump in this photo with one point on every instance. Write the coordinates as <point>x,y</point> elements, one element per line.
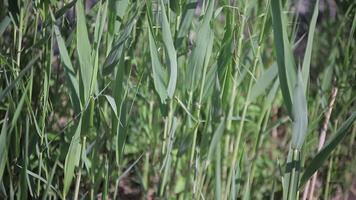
<point>176,99</point>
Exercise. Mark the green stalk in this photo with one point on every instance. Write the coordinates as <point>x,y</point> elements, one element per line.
<point>239,134</point>
<point>19,42</point>
<point>168,140</point>
<point>328,178</point>
<point>232,102</point>
<point>247,101</point>
<point>198,112</point>
<point>237,68</point>
<point>294,177</point>
<point>261,128</point>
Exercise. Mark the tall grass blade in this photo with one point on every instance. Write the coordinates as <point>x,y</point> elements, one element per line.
<point>168,158</point>
<point>72,159</point>
<point>19,108</point>
<point>291,175</point>
<point>211,78</point>
<point>263,82</point>
<point>48,184</point>
<point>322,155</point>
<point>308,51</point>
<point>172,54</point>
<point>116,11</point>
<point>285,59</point>
<point>3,146</point>
<point>225,59</point>
<point>29,65</point>
<point>119,125</point>
<point>300,115</point>
<point>299,131</point>
<point>69,71</point>
<point>84,53</point>
<point>60,12</point>
<point>215,141</point>
<point>117,50</point>
<point>196,60</point>
<point>186,22</point>
<point>4,23</point>
<point>112,104</point>
<point>159,75</point>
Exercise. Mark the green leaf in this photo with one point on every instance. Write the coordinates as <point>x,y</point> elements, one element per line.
<point>308,51</point>
<point>60,12</point>
<point>172,54</point>
<point>116,11</point>
<point>158,73</point>
<point>84,53</point>
<point>291,175</point>
<point>72,159</point>
<point>48,184</point>
<point>186,22</point>
<point>322,155</point>
<point>300,115</point>
<point>116,52</point>
<point>166,166</point>
<point>98,32</point>
<point>69,71</point>
<point>119,125</point>
<point>211,77</point>
<point>225,59</point>
<point>216,139</point>
<point>3,146</point>
<point>263,82</point>
<point>19,106</point>
<point>4,23</point>
<point>285,59</point>
<point>29,65</point>
<point>112,104</point>
<point>198,56</point>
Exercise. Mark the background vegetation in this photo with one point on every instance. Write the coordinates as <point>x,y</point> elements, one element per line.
<point>177,99</point>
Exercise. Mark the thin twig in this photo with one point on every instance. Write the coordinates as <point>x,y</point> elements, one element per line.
<point>322,136</point>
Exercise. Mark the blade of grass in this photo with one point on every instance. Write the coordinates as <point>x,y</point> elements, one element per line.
<point>3,146</point>
<point>300,115</point>
<point>215,141</point>
<point>172,54</point>
<point>196,60</point>
<point>84,54</point>
<point>308,51</point>
<point>69,70</point>
<point>72,159</point>
<point>285,59</point>
<point>4,23</point>
<point>30,64</point>
<point>186,22</point>
<point>263,82</point>
<point>117,50</point>
<point>160,76</point>
<point>323,154</point>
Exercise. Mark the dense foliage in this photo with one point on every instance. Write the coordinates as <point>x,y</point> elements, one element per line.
<point>186,99</point>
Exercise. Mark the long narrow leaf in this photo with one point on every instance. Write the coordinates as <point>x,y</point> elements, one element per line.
<point>69,70</point>
<point>322,155</point>
<point>18,78</point>
<point>172,54</point>
<point>84,53</point>
<point>308,51</point>
<point>300,115</point>
<point>3,146</point>
<point>196,60</point>
<point>285,59</point>
<point>72,159</point>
